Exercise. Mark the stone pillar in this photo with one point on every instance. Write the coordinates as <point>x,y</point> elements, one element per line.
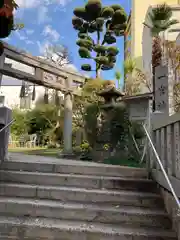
<point>2,61</point>
<point>5,118</point>
<point>68,119</point>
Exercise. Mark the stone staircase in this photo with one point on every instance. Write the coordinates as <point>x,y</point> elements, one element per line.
<point>52,199</point>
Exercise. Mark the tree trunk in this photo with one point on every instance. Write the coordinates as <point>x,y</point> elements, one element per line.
<point>98,68</point>
<point>98,73</point>
<point>156,61</point>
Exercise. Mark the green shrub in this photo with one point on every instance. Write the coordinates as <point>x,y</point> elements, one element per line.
<point>85,147</point>
<point>77,150</point>
<point>130,162</point>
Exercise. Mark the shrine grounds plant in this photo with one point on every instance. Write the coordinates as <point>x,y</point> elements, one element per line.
<point>7,24</point>
<point>98,28</point>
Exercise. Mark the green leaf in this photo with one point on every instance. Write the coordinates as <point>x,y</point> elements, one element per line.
<point>77,21</point>
<point>86,67</point>
<point>93,9</point>
<point>84,43</point>
<point>119,17</point>
<point>112,50</point>
<point>99,22</point>
<point>99,49</point>
<point>102,60</point>
<point>107,67</point>
<point>118,75</point>
<point>116,7</point>
<point>112,59</point>
<point>109,39</point>
<point>129,66</point>
<point>84,52</point>
<point>107,12</point>
<point>80,12</point>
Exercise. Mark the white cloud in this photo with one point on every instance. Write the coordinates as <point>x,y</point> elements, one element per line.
<point>29,31</point>
<point>43,15</point>
<point>36,3</point>
<point>43,46</point>
<point>23,37</point>
<point>20,35</point>
<point>29,42</point>
<point>63,2</point>
<point>52,33</point>
<point>28,3</point>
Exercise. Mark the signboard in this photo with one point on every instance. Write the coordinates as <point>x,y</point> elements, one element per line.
<point>161,89</point>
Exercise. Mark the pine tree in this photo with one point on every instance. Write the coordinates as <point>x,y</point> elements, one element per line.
<point>98,27</point>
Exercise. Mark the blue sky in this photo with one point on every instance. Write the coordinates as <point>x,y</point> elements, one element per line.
<point>49,22</point>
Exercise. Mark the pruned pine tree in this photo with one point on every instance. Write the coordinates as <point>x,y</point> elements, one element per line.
<point>98,27</point>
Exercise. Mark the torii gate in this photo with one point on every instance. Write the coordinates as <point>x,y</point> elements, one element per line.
<point>48,75</point>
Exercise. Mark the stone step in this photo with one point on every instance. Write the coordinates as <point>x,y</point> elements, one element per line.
<point>84,212</point>
<point>72,167</point>
<point>53,229</point>
<point>129,198</point>
<point>85,181</point>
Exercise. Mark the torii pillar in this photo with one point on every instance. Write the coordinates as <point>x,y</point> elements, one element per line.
<point>67,133</point>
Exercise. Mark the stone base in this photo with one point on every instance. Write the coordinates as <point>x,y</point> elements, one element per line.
<point>67,155</point>
<point>100,154</point>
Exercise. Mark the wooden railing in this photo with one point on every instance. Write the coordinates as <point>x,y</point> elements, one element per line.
<point>166,139</point>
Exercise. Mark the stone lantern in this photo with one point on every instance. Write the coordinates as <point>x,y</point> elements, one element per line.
<point>111,95</point>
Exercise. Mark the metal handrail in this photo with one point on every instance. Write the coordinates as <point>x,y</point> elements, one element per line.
<point>162,168</point>
<point>7,125</point>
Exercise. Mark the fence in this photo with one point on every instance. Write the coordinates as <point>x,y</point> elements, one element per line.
<point>166,138</point>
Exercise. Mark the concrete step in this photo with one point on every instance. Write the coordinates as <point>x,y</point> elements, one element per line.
<point>84,212</point>
<point>72,167</point>
<point>53,229</point>
<point>85,181</point>
<point>129,198</point>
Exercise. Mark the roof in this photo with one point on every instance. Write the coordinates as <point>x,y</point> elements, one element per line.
<point>137,97</point>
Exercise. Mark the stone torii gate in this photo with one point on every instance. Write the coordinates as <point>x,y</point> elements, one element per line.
<point>48,75</point>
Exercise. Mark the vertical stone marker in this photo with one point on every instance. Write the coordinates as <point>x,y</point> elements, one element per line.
<point>162,89</point>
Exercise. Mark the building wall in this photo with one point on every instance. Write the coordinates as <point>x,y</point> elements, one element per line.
<point>11,94</point>
<point>138,13</point>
